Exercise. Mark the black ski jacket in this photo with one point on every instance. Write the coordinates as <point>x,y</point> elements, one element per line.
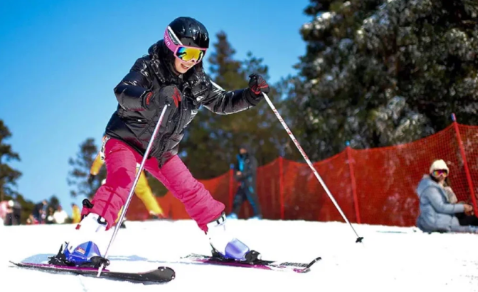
<point>247,165</point>
<point>134,124</point>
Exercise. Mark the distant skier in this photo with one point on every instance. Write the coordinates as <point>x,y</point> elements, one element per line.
<point>245,173</point>
<point>39,211</point>
<point>5,212</point>
<point>75,213</point>
<point>172,73</point>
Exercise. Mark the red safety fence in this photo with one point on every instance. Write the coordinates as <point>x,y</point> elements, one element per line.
<point>371,186</point>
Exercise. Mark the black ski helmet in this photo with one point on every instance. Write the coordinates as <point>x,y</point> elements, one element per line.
<point>190,32</point>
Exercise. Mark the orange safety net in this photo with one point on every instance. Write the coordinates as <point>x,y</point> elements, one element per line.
<point>371,186</point>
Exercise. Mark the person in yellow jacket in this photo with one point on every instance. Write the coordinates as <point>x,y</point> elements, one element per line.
<point>142,190</point>
<point>76,213</point>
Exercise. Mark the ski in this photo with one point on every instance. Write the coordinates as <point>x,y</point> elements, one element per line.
<point>259,264</point>
<point>159,275</point>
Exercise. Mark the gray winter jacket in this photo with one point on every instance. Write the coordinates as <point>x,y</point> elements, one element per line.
<point>436,213</point>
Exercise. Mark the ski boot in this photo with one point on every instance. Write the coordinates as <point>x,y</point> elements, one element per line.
<point>225,246</point>
<point>81,250</point>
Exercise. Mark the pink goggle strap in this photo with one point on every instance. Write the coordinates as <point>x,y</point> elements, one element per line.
<point>172,42</point>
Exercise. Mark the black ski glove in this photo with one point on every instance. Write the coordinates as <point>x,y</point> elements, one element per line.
<point>258,85</point>
<point>171,95</point>
<point>166,95</point>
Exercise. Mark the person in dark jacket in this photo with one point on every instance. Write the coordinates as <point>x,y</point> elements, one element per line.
<point>171,75</point>
<point>245,173</point>
<point>39,211</point>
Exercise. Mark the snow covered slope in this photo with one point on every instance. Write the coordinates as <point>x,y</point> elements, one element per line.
<point>389,259</point>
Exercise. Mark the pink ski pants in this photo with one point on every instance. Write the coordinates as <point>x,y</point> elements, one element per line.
<point>120,161</point>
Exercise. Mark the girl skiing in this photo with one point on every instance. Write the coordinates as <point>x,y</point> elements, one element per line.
<point>171,74</point>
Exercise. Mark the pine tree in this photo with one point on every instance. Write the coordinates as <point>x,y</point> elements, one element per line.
<point>379,73</point>
<point>431,51</point>
<point>8,175</point>
<point>78,176</point>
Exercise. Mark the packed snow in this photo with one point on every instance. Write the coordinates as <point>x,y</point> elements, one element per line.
<point>389,259</point>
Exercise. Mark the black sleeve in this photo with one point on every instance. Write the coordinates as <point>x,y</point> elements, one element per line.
<point>130,90</point>
<point>224,102</point>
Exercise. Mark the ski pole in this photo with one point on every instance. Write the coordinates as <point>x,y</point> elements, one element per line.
<point>131,192</point>
<point>359,239</point>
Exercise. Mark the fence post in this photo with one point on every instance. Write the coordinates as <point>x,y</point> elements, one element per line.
<point>465,164</point>
<point>231,190</point>
<point>281,187</point>
<point>352,179</point>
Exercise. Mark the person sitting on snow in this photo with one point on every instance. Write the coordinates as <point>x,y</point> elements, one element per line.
<point>437,214</point>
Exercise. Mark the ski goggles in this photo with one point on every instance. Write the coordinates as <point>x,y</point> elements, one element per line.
<point>438,172</point>
<point>183,53</point>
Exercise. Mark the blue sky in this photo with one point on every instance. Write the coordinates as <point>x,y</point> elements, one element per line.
<point>61,60</point>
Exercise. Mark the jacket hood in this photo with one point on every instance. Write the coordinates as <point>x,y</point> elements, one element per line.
<point>153,50</point>
<point>160,52</point>
<point>426,182</point>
